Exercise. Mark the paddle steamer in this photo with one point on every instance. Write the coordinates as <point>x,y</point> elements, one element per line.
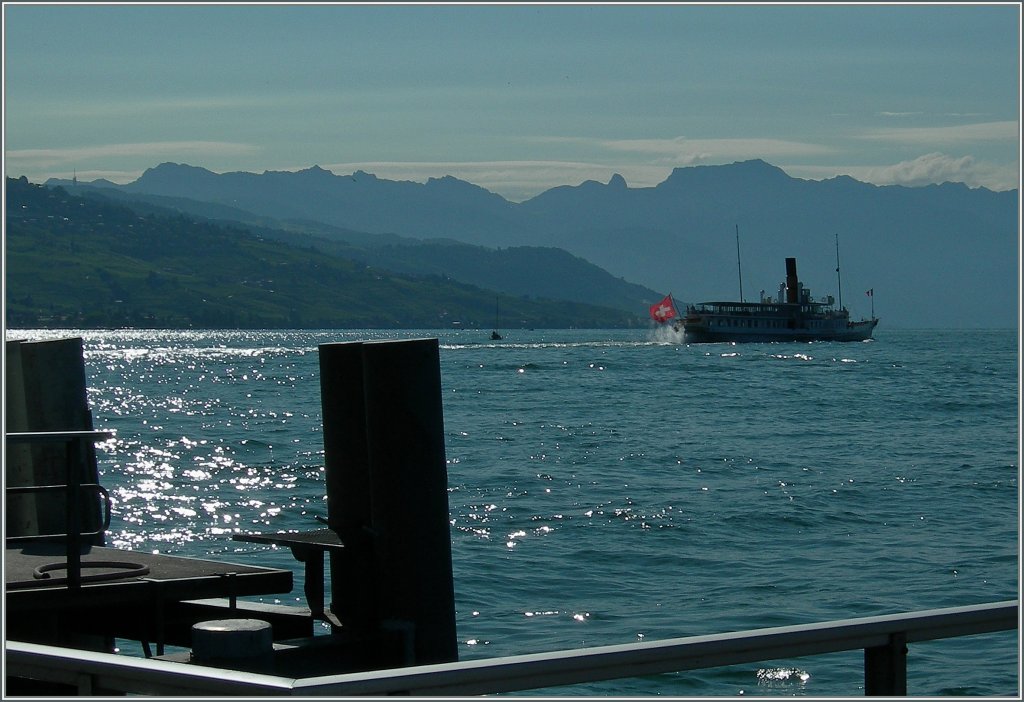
<point>791,316</point>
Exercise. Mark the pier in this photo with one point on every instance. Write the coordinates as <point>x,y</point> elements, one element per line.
<point>387,538</point>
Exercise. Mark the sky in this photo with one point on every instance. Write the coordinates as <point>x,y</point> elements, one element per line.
<point>516,98</point>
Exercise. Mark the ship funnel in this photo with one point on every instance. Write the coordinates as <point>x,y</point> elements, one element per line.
<point>792,294</point>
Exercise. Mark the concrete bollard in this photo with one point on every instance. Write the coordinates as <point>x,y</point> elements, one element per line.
<point>239,644</point>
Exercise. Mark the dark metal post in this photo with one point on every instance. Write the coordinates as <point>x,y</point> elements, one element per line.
<point>73,521</point>
<point>387,495</point>
<point>739,269</point>
<point>347,470</point>
<point>839,277</point>
<point>885,667</point>
<point>409,489</point>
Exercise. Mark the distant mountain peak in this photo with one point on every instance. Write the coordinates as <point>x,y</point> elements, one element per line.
<point>171,167</point>
<point>617,181</point>
<point>448,180</point>
<point>451,182</point>
<point>754,171</point>
<point>170,175</point>
<point>753,166</point>
<point>847,181</point>
<point>315,170</point>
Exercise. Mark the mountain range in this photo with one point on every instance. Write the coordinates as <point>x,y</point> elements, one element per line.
<point>940,256</point>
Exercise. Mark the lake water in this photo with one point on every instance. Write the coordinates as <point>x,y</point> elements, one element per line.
<point>607,487</point>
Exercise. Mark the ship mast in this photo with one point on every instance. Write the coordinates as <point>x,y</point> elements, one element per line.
<point>838,276</point>
<point>739,269</point>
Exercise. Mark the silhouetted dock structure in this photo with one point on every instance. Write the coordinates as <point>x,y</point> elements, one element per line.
<point>123,594</point>
<point>392,598</point>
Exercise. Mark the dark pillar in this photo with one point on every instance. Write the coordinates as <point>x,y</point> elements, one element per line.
<point>387,495</point>
<point>792,282</point>
<point>47,392</point>
<point>409,493</point>
<point>347,470</point>
<point>885,668</point>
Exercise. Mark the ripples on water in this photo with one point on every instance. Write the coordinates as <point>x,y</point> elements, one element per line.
<point>608,487</point>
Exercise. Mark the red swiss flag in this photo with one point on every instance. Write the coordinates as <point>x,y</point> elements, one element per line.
<point>664,311</point>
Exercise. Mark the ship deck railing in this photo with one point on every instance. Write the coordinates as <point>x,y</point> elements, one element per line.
<point>884,640</point>
<point>760,308</point>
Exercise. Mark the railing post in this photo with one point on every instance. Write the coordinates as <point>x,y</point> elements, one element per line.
<point>84,683</point>
<point>74,524</point>
<point>885,667</point>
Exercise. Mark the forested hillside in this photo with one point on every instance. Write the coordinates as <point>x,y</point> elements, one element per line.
<point>517,271</point>
<point>78,262</point>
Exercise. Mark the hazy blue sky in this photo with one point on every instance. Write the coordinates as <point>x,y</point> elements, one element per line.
<point>515,98</point>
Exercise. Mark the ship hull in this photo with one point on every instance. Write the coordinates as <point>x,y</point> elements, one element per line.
<point>702,332</point>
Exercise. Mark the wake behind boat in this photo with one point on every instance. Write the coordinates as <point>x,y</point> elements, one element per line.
<point>792,316</point>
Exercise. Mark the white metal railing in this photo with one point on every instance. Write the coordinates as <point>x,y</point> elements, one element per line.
<point>883,639</point>
<point>74,442</point>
